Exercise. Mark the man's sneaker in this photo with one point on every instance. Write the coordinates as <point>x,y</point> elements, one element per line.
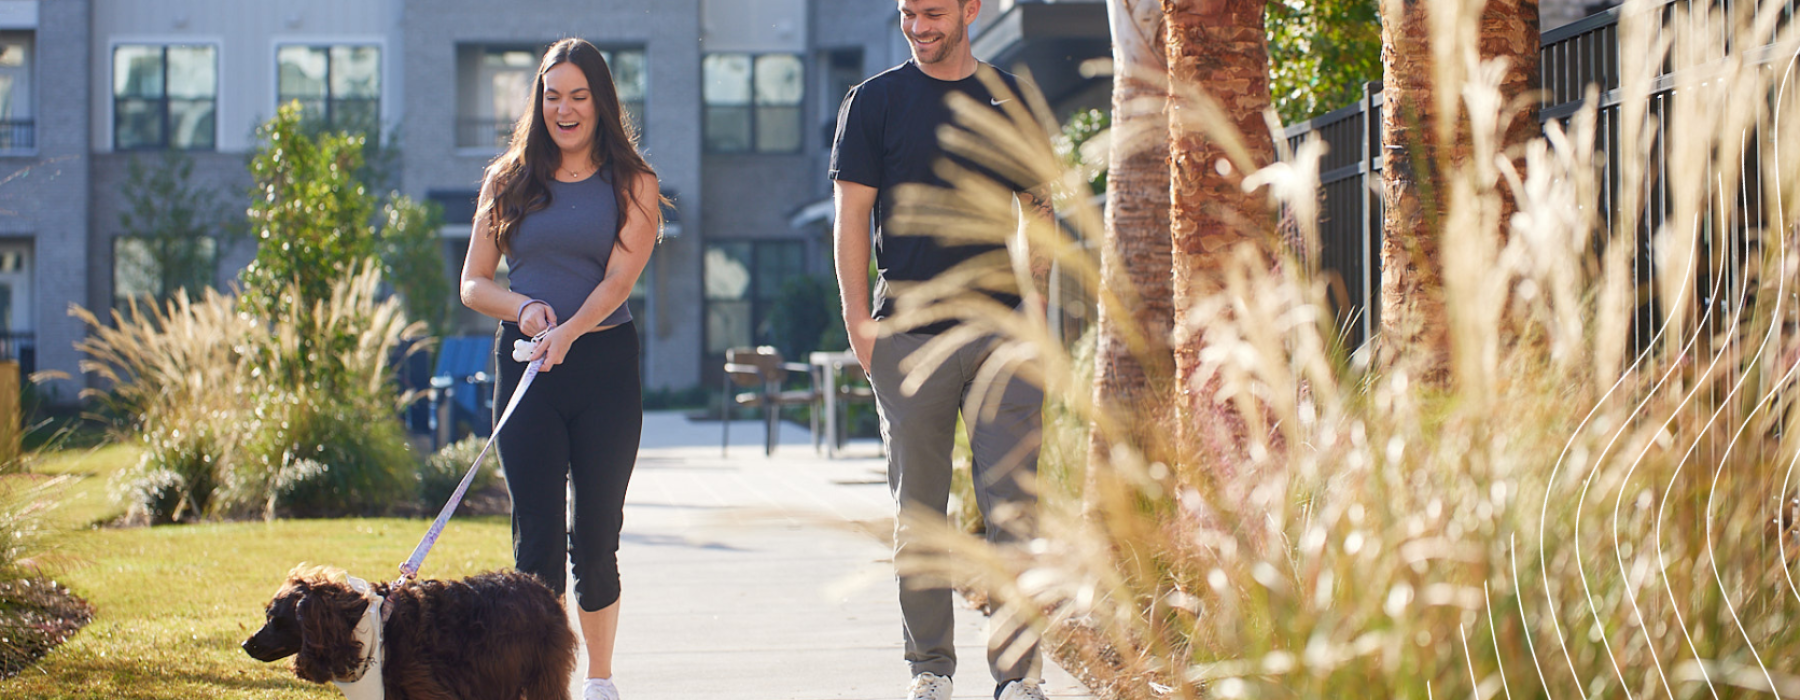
<point>1022,690</point>
<point>929,686</point>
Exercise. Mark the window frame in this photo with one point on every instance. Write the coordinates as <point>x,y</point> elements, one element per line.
<point>764,255</point>
<point>753,108</point>
<point>18,133</point>
<point>327,44</point>
<point>635,117</point>
<point>163,44</point>
<point>210,244</point>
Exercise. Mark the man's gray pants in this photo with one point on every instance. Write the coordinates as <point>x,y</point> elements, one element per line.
<point>919,430</point>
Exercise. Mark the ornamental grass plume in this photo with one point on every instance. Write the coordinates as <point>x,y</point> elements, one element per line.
<point>1598,500</point>
<point>243,416</point>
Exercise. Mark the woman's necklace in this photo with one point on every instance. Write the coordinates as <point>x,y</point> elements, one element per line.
<point>575,175</point>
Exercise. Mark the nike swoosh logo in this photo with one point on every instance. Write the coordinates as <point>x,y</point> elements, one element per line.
<point>997,103</point>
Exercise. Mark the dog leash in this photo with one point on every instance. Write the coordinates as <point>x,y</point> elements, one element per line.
<point>410,568</point>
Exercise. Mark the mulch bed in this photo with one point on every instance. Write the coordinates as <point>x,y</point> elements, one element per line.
<point>36,614</point>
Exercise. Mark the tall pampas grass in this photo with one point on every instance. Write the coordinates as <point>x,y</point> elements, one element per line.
<point>1567,513</point>
<point>242,416</point>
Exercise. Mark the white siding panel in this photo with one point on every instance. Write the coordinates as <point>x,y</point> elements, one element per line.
<point>18,14</point>
<point>753,26</point>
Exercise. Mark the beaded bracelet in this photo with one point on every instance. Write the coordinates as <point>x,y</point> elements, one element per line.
<point>528,302</point>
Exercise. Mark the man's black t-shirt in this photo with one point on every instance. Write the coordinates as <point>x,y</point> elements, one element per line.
<point>887,136</point>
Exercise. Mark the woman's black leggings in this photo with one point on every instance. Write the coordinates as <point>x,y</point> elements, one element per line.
<point>579,423</point>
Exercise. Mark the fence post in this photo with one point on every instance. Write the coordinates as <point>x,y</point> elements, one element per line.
<point>1371,219</point>
<point>11,423</point>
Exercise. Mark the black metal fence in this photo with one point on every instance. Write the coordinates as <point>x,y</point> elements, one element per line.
<point>1572,58</point>
<point>1350,209</point>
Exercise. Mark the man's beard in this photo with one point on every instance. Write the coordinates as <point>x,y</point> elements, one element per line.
<point>940,50</point>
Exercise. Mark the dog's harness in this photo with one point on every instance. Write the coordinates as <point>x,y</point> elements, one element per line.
<point>410,568</point>
<point>364,683</point>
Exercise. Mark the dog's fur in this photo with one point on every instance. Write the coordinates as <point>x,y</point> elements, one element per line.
<point>495,635</point>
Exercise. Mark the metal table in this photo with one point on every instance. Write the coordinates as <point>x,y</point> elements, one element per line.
<point>829,365</point>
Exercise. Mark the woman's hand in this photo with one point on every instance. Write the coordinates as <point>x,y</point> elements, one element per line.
<point>554,346</point>
<point>536,319</point>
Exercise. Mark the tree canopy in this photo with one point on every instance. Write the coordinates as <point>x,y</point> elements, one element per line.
<point>1321,52</point>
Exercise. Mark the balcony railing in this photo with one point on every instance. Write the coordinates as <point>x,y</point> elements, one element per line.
<point>20,346</point>
<point>484,133</point>
<point>18,134</point>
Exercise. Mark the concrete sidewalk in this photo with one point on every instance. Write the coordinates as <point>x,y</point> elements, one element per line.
<point>748,577</point>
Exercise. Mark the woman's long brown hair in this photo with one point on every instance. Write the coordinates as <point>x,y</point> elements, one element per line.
<point>522,174</point>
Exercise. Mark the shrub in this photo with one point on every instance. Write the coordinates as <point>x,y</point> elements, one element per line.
<point>804,309</point>
<point>177,473</point>
<point>441,474</point>
<point>238,419</point>
<point>177,370</point>
<point>327,457</point>
<point>665,399</point>
<point>326,439</point>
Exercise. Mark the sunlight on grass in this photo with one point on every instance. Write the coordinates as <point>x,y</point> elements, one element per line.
<point>88,498</point>
<point>174,602</point>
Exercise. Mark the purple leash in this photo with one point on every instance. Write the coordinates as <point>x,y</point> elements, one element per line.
<point>410,569</point>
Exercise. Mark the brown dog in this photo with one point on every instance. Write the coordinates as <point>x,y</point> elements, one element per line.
<point>496,635</point>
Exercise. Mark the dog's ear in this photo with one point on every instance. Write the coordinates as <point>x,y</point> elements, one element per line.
<point>328,613</point>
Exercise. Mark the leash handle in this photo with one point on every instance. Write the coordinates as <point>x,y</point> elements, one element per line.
<point>410,568</point>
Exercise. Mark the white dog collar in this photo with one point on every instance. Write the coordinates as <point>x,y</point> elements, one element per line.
<point>365,682</point>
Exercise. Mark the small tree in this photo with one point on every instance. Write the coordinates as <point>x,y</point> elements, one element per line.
<point>310,213</point>
<point>413,259</point>
<point>802,313</point>
<point>327,440</point>
<point>172,224</point>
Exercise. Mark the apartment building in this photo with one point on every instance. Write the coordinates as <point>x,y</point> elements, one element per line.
<point>735,100</point>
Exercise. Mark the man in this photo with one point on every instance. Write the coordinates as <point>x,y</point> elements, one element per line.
<point>887,139</point>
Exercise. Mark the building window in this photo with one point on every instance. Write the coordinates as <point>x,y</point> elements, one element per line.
<point>17,340</point>
<point>495,89</point>
<point>152,269</point>
<point>743,283</point>
<point>17,129</point>
<point>338,87</point>
<point>632,78</point>
<point>844,71</point>
<point>164,97</point>
<point>752,102</point>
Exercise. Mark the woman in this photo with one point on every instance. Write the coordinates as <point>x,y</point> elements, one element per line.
<point>576,211</point>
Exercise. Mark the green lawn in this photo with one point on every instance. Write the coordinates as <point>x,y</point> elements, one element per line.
<point>172,603</point>
<point>86,499</point>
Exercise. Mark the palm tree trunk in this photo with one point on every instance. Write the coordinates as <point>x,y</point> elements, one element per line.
<point>1422,145</point>
<point>1132,362</point>
<point>1218,47</point>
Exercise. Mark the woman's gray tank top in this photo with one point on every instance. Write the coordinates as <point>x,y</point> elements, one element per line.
<point>559,253</point>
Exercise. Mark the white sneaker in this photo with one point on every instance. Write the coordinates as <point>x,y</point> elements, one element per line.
<point>929,686</point>
<point>1022,690</point>
<point>599,689</point>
